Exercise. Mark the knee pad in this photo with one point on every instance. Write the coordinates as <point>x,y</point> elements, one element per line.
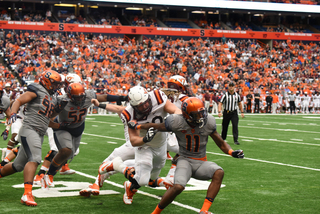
<point>129,174</point>
<point>50,155</point>
<point>17,168</point>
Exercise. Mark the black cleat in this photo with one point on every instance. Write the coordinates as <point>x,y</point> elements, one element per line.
<point>237,143</point>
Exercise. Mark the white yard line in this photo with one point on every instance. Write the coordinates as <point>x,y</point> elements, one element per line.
<point>271,162</point>
<point>141,192</point>
<point>263,139</point>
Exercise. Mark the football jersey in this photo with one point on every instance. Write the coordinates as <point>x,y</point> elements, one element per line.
<point>179,101</point>
<point>192,141</point>
<point>37,115</point>
<point>157,114</point>
<point>4,104</point>
<point>75,115</point>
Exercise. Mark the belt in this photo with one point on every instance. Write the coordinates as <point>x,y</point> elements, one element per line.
<point>229,112</point>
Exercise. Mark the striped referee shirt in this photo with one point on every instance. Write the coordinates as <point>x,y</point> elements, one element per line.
<point>230,101</point>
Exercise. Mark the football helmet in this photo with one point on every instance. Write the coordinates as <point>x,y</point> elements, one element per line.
<point>194,112</point>
<point>76,93</point>
<point>71,78</point>
<point>51,80</point>
<point>140,100</point>
<point>179,83</point>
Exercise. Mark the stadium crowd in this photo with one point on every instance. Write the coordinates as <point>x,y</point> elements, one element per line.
<point>112,64</point>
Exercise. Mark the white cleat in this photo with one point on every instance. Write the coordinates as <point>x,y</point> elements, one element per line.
<point>128,194</point>
<point>91,190</point>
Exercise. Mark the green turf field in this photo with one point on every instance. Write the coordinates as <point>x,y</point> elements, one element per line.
<point>280,172</point>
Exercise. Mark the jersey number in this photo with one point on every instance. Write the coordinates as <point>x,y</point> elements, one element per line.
<point>193,143</point>
<point>77,117</point>
<point>49,108</point>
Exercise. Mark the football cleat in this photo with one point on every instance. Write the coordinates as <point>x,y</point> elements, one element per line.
<point>128,194</point>
<point>106,167</point>
<point>65,170</point>
<point>205,212</point>
<point>118,164</point>
<point>37,179</point>
<point>168,182</point>
<point>93,189</point>
<point>47,180</point>
<point>28,199</point>
<point>169,156</point>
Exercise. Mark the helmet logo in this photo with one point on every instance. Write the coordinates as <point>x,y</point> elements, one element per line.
<point>47,75</point>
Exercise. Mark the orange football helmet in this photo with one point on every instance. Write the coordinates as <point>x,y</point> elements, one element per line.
<point>194,112</point>
<point>51,80</point>
<point>179,83</point>
<point>76,93</point>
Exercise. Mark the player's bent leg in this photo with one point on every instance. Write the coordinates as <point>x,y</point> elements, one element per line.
<point>213,190</point>
<point>168,197</point>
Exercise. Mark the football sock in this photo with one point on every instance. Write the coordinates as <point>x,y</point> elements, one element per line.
<point>158,209</point>
<point>207,204</point>
<point>43,170</point>
<point>53,169</point>
<point>27,187</point>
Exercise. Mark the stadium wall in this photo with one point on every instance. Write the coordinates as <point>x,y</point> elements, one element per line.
<point>181,32</point>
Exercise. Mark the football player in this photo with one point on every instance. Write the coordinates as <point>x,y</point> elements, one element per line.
<point>150,152</point>
<point>40,104</point>
<point>65,170</point>
<point>5,108</point>
<point>176,91</point>
<point>192,129</point>
<point>70,126</point>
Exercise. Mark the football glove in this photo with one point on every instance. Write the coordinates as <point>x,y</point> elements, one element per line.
<point>5,134</point>
<point>13,118</point>
<point>238,154</point>
<point>132,124</point>
<point>149,135</point>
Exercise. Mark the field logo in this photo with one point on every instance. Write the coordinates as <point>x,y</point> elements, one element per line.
<point>63,189</point>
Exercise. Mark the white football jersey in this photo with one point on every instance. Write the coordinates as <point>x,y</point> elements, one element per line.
<point>157,114</point>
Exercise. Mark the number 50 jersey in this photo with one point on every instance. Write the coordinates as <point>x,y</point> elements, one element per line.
<point>158,99</point>
<point>75,115</point>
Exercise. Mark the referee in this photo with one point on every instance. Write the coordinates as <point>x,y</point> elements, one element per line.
<point>230,101</point>
<point>291,99</point>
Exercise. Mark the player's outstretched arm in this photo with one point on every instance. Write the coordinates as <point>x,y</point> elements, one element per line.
<point>133,124</point>
<point>225,147</point>
<point>109,107</point>
<point>172,108</point>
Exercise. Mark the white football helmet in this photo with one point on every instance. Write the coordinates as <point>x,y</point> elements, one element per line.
<point>72,78</point>
<point>179,83</point>
<point>140,100</point>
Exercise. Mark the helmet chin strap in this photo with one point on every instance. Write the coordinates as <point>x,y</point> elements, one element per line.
<point>202,123</point>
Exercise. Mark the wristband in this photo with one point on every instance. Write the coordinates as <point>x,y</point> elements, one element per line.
<point>103,106</point>
<point>230,152</point>
<point>138,127</point>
